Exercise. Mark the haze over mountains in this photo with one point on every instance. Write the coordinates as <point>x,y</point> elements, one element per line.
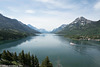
<point>40,30</point>
<point>59,28</point>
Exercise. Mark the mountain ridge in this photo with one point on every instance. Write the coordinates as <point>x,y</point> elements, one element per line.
<point>8,23</point>
<point>82,27</point>
<point>40,30</point>
<point>59,28</point>
<point>14,29</point>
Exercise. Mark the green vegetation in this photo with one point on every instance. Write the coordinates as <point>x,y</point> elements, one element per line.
<point>14,24</point>
<point>83,37</point>
<point>0,56</point>
<point>11,34</point>
<point>26,60</point>
<point>11,29</point>
<point>46,63</point>
<point>88,31</point>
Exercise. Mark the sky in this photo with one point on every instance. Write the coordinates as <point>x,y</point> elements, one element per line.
<point>50,14</point>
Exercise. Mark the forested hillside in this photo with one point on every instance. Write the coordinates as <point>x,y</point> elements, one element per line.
<point>14,29</point>
<point>82,28</point>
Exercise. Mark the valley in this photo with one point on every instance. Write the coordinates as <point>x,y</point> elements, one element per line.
<point>71,45</point>
<point>58,49</point>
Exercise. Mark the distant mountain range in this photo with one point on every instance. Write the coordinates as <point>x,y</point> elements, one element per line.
<point>40,30</point>
<point>80,27</point>
<point>32,27</point>
<point>14,28</point>
<point>59,28</point>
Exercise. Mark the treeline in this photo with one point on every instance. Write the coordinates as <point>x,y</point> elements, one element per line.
<point>83,37</point>
<point>78,31</point>
<point>11,34</point>
<point>24,59</point>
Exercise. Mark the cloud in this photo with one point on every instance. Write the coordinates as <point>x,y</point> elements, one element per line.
<point>85,2</point>
<point>4,0</point>
<point>57,13</point>
<point>1,11</point>
<point>13,9</point>
<point>47,23</point>
<point>49,14</point>
<point>45,0</point>
<point>30,11</point>
<point>57,4</point>
<point>97,6</point>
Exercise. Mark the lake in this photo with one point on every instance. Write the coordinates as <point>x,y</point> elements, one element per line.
<point>61,53</point>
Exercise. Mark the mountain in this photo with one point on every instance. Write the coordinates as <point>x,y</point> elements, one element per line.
<point>40,30</point>
<point>81,27</point>
<point>81,21</point>
<point>32,27</point>
<point>13,29</point>
<point>43,31</point>
<point>8,23</point>
<point>59,28</point>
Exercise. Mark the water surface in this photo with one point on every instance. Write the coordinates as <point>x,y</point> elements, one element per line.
<point>59,50</point>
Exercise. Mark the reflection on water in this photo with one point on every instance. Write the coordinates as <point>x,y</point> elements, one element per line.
<point>14,43</point>
<point>59,50</point>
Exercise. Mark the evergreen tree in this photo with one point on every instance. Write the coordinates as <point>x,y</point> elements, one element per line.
<point>46,63</point>
<point>26,58</point>
<point>32,61</point>
<point>23,57</point>
<point>9,56</point>
<point>36,62</point>
<point>29,59</point>
<point>15,57</point>
<point>20,58</point>
<point>4,55</point>
<point>0,56</point>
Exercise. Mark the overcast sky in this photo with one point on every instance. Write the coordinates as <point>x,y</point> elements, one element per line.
<point>50,14</point>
